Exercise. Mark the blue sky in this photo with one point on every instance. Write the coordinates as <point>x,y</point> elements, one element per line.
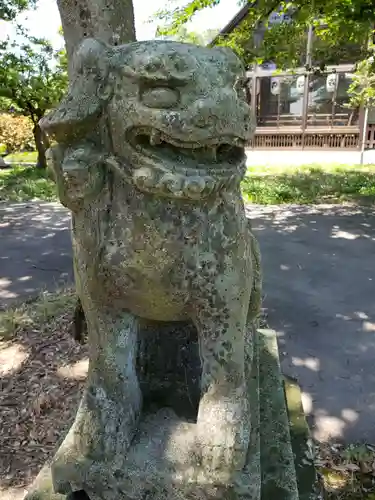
<point>45,20</point>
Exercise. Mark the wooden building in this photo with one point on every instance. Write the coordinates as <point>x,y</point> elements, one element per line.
<point>304,108</point>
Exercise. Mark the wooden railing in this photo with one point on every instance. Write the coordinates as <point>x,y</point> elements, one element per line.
<point>312,120</point>
<point>347,138</point>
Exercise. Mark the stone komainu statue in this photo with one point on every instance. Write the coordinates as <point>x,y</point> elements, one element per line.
<point>149,157</point>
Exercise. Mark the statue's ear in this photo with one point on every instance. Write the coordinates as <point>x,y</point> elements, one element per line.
<point>88,93</point>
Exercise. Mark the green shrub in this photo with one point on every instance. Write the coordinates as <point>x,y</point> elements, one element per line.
<point>26,183</point>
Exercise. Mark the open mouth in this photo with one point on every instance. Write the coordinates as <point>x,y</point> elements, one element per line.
<point>222,154</point>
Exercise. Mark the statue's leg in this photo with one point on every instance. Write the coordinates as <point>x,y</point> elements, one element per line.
<point>223,417</point>
<point>113,346</point>
<point>108,415</point>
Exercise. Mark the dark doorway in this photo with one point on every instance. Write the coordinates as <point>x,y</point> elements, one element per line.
<point>169,367</point>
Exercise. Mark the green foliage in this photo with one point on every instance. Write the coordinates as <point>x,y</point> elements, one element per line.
<point>309,184</point>
<point>25,183</point>
<point>16,132</point>
<point>362,89</point>
<point>33,79</point>
<point>184,35</point>
<point>10,8</point>
<point>176,17</point>
<point>336,13</point>
<point>33,76</point>
<point>341,30</point>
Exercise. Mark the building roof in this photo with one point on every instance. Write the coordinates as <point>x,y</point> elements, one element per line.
<point>234,22</point>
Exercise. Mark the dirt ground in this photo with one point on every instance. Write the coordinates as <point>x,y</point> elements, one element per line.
<point>42,374</point>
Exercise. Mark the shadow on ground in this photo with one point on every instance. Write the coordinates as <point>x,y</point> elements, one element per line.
<point>35,250</point>
<point>319,296</point>
<point>319,278</point>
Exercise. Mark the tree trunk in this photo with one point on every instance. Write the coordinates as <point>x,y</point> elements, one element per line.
<point>42,144</point>
<point>107,20</point>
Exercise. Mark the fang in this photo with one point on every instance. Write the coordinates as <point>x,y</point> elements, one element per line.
<point>155,138</point>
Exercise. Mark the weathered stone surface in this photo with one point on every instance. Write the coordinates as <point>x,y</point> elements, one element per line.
<point>149,159</point>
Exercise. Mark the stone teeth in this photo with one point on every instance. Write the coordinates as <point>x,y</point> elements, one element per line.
<point>206,153</point>
<point>172,183</point>
<point>155,138</point>
<point>194,186</point>
<point>210,184</point>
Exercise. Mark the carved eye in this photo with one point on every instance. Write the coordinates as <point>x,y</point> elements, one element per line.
<point>160,97</point>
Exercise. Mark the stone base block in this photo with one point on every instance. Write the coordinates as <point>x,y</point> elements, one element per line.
<point>163,463</point>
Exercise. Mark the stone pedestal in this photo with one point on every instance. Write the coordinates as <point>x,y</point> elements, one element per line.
<point>163,464</point>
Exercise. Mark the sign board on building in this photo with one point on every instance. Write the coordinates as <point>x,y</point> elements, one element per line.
<point>279,17</point>
<point>300,84</point>
<point>275,85</point>
<point>331,82</point>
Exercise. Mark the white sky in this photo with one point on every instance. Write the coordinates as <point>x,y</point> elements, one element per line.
<point>45,20</point>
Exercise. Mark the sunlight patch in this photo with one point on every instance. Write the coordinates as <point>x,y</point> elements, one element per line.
<point>327,427</point>
<point>12,493</point>
<point>361,315</point>
<point>24,278</point>
<point>368,326</point>
<point>310,363</point>
<point>11,358</point>
<point>307,403</point>
<point>5,294</point>
<point>349,415</point>
<point>336,233</point>
<point>77,371</point>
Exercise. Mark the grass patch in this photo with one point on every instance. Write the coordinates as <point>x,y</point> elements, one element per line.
<point>35,312</point>
<point>309,184</point>
<point>27,157</point>
<point>26,183</point>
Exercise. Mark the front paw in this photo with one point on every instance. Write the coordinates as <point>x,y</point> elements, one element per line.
<point>224,430</point>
